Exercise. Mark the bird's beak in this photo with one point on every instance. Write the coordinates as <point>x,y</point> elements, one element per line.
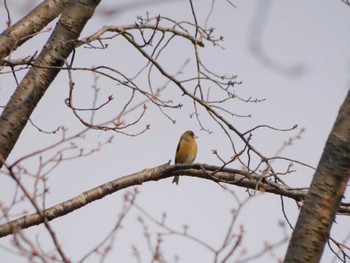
<point>196,137</point>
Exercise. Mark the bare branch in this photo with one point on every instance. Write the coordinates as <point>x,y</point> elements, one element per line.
<point>226,175</point>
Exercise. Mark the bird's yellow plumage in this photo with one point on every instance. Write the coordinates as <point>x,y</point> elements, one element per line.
<point>186,150</point>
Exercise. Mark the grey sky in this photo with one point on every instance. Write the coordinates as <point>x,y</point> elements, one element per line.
<point>294,54</point>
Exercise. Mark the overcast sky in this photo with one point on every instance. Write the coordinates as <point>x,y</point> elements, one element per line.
<point>294,54</point>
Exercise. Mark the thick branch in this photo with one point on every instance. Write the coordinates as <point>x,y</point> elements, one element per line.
<point>38,79</point>
<point>14,36</point>
<point>230,176</point>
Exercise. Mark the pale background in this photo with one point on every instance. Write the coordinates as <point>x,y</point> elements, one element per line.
<point>308,42</point>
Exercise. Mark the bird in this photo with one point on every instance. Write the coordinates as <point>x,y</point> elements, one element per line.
<point>186,151</point>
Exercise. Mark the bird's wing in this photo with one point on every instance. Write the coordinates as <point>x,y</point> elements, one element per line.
<point>177,150</point>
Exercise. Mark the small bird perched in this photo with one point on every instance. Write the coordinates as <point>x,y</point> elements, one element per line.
<point>186,150</point>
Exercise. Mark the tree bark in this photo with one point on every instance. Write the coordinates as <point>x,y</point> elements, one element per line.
<point>324,196</point>
<point>45,69</point>
<point>14,36</point>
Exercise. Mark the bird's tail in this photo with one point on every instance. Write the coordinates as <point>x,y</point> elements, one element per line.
<point>176,180</point>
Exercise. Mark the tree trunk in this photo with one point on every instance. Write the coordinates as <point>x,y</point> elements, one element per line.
<point>45,69</point>
<point>326,191</point>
